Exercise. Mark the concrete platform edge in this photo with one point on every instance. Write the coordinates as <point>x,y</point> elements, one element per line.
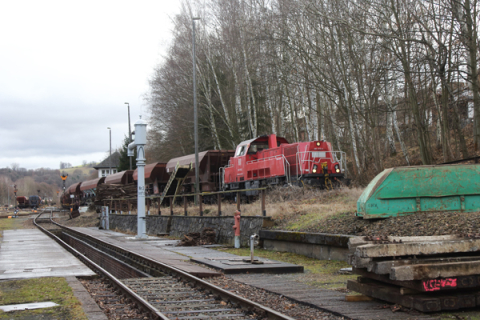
<point>90,307</point>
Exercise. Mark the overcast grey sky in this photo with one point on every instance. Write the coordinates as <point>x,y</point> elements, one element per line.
<point>66,69</point>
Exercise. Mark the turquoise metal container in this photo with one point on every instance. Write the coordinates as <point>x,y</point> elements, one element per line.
<point>407,190</point>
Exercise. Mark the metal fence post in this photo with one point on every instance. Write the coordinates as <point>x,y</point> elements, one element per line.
<point>264,212</point>
<point>219,200</point>
<point>185,206</point>
<point>238,201</point>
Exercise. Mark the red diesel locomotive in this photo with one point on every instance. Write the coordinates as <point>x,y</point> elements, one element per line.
<point>271,160</point>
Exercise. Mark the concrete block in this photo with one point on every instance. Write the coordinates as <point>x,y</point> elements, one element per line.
<point>337,240</point>
<point>321,252</point>
<point>433,271</point>
<point>417,248</point>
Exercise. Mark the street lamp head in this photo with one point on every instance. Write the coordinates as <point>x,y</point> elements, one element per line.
<point>127,103</point>
<point>196,18</point>
<point>109,128</point>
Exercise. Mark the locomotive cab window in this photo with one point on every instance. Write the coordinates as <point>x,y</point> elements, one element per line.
<point>255,147</point>
<point>241,151</point>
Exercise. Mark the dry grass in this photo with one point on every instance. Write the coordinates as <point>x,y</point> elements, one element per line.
<point>313,207</point>
<point>86,219</point>
<point>283,203</point>
<point>39,290</point>
<point>292,208</point>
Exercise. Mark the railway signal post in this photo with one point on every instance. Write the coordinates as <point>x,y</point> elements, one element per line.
<point>140,141</point>
<point>15,193</point>
<point>64,177</point>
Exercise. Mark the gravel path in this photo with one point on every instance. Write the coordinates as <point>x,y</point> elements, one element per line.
<point>421,224</point>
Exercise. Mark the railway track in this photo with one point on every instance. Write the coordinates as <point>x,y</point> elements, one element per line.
<point>114,305</point>
<point>171,294</point>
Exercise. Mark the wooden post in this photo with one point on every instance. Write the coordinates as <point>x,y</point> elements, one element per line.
<point>171,206</point>
<point>185,206</point>
<point>219,200</point>
<point>238,201</point>
<point>264,212</point>
<point>158,204</point>
<point>200,202</point>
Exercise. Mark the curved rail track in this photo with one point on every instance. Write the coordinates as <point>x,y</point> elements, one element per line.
<point>172,292</point>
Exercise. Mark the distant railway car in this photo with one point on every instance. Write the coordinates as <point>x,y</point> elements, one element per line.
<point>156,177</point>
<point>209,163</point>
<point>123,177</point>
<point>271,160</point>
<point>89,189</point>
<point>34,201</point>
<point>22,202</point>
<point>72,196</point>
<point>118,185</point>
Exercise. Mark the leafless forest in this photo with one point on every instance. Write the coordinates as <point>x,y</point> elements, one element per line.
<point>377,78</point>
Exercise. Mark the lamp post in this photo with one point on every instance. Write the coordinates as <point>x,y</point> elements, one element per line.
<point>110,157</point>
<point>15,195</point>
<point>8,193</point>
<point>129,132</point>
<point>195,118</point>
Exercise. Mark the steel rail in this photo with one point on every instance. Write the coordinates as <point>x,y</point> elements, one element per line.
<point>145,305</point>
<point>227,295</point>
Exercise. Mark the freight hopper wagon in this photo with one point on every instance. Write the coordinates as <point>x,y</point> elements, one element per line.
<point>34,201</point>
<point>408,190</point>
<point>156,177</point>
<point>89,189</point>
<point>22,202</point>
<point>271,160</point>
<point>72,196</point>
<point>182,173</point>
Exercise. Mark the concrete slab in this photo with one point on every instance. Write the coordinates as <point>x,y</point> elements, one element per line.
<point>417,248</point>
<point>164,250</point>
<point>232,264</point>
<point>29,253</point>
<point>237,265</point>
<point>28,306</point>
<point>90,307</point>
<point>434,271</point>
<point>153,248</point>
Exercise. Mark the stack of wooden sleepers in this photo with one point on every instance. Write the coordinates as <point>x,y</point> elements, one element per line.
<point>424,273</point>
